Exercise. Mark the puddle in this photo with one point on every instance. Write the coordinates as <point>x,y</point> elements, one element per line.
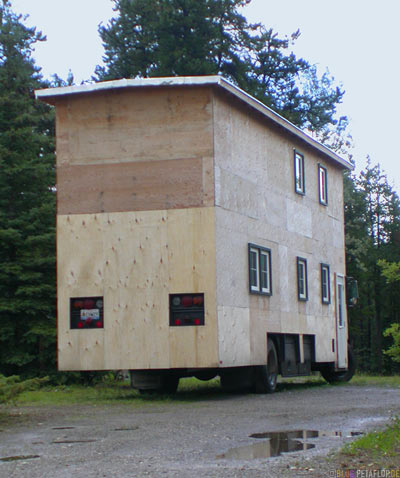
<point>265,449</point>
<point>290,435</point>
<point>20,457</point>
<point>304,434</point>
<point>276,443</point>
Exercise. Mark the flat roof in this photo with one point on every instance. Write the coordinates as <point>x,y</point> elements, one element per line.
<point>215,80</point>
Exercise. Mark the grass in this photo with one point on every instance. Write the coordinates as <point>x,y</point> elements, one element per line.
<point>110,392</point>
<point>376,450</point>
<point>376,380</point>
<point>190,390</point>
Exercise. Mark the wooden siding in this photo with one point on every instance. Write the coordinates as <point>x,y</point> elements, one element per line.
<point>135,260</point>
<point>141,186</point>
<point>135,150</point>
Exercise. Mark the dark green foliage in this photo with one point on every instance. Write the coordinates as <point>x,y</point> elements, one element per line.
<point>372,218</point>
<point>27,206</point>
<point>12,387</point>
<point>153,38</point>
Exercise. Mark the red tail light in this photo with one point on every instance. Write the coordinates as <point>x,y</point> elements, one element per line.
<point>88,304</point>
<point>86,313</point>
<point>198,300</point>
<point>187,301</point>
<point>186,309</point>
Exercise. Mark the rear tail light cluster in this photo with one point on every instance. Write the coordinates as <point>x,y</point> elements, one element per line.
<point>186,309</point>
<point>87,313</point>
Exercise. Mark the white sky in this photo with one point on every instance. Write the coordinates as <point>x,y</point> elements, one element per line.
<point>357,40</point>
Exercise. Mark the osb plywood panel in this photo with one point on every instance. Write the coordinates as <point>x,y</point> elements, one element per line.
<point>135,260</point>
<point>135,186</point>
<point>142,124</point>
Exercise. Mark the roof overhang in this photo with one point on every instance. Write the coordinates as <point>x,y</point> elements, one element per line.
<point>50,95</point>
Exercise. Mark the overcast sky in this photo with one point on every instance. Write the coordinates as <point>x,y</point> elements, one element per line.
<point>357,40</point>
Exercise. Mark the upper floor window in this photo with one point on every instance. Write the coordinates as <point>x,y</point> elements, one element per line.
<point>299,181</point>
<point>325,284</point>
<point>323,184</point>
<point>302,286</point>
<point>260,278</point>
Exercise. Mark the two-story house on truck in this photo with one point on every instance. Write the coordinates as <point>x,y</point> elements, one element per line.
<point>198,233</point>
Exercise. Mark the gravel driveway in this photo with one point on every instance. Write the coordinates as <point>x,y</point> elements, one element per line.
<point>193,438</point>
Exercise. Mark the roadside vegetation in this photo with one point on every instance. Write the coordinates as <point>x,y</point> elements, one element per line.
<point>12,387</point>
<point>107,389</point>
<point>374,451</point>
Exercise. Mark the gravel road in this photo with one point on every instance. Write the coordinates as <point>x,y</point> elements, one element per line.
<point>194,438</point>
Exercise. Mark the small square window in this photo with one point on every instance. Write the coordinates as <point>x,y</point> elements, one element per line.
<point>302,286</point>
<point>325,284</point>
<point>260,281</point>
<point>323,184</point>
<point>299,179</point>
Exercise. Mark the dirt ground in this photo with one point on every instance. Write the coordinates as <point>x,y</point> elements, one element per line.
<point>198,438</point>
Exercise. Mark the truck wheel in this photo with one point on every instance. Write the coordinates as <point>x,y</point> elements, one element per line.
<point>334,377</point>
<point>266,376</point>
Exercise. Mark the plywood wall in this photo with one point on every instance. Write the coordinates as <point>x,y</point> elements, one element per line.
<point>135,260</point>
<point>135,150</point>
<point>256,203</point>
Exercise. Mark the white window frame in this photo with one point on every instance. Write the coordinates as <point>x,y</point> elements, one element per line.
<point>259,272</point>
<point>302,282</point>
<point>299,176</point>
<point>323,184</point>
<point>325,294</point>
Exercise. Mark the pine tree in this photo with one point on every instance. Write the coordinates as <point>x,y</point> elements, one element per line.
<point>149,38</point>
<point>27,206</point>
<point>372,218</point>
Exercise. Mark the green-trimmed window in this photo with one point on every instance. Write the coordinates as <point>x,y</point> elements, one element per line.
<point>302,285</point>
<point>323,184</point>
<point>325,284</point>
<point>260,277</point>
<point>299,177</point>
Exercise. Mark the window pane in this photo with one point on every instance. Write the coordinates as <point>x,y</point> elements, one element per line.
<point>299,172</point>
<point>254,269</point>
<point>340,304</point>
<point>264,271</point>
<point>325,292</point>
<point>302,278</point>
<point>323,190</point>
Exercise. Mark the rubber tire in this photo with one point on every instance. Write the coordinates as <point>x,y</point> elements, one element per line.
<point>339,377</point>
<point>266,376</point>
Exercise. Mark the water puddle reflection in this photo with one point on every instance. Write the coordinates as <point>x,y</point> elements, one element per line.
<point>276,443</point>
